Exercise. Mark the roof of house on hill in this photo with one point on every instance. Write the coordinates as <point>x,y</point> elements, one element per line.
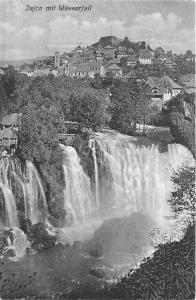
<point>144,54</point>
<point>85,67</point>
<point>161,90</point>
<point>170,83</point>
<point>130,75</point>
<point>163,82</point>
<point>114,61</point>
<point>114,67</point>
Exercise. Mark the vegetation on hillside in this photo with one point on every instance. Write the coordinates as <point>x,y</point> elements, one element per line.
<point>130,105</point>
<point>181,119</point>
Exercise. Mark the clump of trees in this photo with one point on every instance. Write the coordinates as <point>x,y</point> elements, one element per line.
<point>130,105</point>
<point>181,119</point>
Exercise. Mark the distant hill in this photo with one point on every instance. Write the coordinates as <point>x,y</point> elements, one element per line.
<point>20,61</point>
<point>114,41</point>
<point>107,40</point>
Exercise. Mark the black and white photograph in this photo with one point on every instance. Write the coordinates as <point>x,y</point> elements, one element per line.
<point>97,149</point>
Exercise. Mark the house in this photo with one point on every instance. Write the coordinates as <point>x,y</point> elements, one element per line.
<point>163,88</point>
<point>77,50</point>
<point>190,58</point>
<point>9,127</point>
<point>115,61</point>
<point>87,69</point>
<point>188,81</point>
<point>145,57</point>
<point>114,70</point>
<point>159,51</point>
<point>163,57</point>
<point>169,63</point>
<point>108,52</point>
<point>121,53</point>
<point>131,61</point>
<point>27,71</point>
<point>41,72</point>
<point>57,59</point>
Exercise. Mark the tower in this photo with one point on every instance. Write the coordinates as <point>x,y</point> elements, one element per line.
<point>57,59</point>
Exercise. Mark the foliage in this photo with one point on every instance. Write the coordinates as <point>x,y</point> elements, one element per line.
<point>38,136</point>
<point>88,108</point>
<point>183,197</point>
<point>181,118</point>
<point>169,274</point>
<point>130,105</point>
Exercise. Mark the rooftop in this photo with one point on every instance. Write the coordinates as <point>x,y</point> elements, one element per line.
<point>114,67</point>
<point>145,54</point>
<point>130,75</point>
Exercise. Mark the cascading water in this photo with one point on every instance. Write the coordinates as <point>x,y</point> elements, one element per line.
<point>92,145</point>
<point>129,178</point>
<point>135,178</point>
<point>28,181</point>
<point>78,197</point>
<point>9,200</point>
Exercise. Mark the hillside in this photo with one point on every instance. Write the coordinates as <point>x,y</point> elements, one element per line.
<point>115,42</point>
<point>107,40</point>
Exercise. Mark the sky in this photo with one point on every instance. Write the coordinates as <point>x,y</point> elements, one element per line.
<point>27,34</point>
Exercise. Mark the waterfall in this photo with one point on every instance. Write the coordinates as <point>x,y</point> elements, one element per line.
<point>9,200</point>
<point>135,178</point>
<point>31,191</point>
<point>92,146</point>
<point>35,200</point>
<point>131,175</point>
<point>77,193</point>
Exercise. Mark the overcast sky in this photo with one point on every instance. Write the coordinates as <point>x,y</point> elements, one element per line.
<point>169,24</point>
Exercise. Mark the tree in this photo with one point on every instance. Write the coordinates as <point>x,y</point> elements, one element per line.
<point>88,108</point>
<point>129,105</point>
<point>38,136</point>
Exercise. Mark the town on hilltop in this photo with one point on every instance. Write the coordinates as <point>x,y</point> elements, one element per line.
<point>119,58</point>
<point>165,73</point>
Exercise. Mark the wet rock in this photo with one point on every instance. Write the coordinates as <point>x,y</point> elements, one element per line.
<point>3,240</point>
<point>24,223</point>
<point>9,253</point>
<point>37,234</point>
<point>97,272</point>
<point>41,238</point>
